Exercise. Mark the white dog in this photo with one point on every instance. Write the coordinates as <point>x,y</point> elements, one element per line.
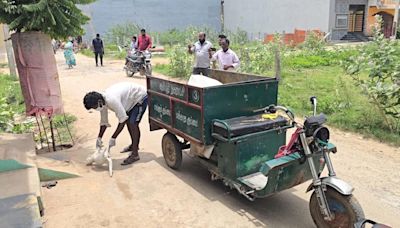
<point>100,157</point>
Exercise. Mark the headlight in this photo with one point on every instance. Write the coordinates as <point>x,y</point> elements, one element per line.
<point>322,133</point>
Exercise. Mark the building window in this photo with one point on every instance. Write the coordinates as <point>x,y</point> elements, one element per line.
<point>341,21</point>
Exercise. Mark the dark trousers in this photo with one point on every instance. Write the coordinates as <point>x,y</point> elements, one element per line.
<point>203,71</point>
<point>96,55</point>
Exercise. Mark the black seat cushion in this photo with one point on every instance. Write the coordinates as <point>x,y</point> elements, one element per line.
<point>248,124</point>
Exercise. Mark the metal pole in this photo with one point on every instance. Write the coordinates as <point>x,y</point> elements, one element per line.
<point>53,141</point>
<point>222,17</point>
<point>10,52</point>
<point>395,20</point>
<point>45,133</point>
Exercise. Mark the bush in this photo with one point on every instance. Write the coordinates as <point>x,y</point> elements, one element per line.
<point>11,105</point>
<point>122,34</point>
<point>256,59</point>
<point>380,60</point>
<point>313,43</point>
<point>181,62</point>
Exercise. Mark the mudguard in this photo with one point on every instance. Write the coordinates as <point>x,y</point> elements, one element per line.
<point>339,185</point>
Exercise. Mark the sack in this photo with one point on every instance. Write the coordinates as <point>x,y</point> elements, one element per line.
<point>201,81</point>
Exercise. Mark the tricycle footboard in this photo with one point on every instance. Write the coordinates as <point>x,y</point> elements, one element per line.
<point>286,172</point>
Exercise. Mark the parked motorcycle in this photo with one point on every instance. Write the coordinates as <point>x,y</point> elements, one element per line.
<point>332,203</point>
<point>138,61</point>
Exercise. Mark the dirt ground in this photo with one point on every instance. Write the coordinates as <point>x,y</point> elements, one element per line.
<point>149,194</point>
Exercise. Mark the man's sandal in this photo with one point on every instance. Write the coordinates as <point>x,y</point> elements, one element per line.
<point>131,159</point>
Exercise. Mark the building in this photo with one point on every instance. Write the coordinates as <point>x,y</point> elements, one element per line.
<point>154,15</point>
<point>384,8</point>
<point>341,19</point>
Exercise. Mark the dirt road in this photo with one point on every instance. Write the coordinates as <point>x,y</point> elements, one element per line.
<point>149,194</point>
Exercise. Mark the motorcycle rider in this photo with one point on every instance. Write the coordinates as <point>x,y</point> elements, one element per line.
<point>134,45</point>
<point>144,41</point>
<point>132,48</point>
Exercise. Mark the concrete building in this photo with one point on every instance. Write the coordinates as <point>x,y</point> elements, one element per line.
<point>385,9</point>
<point>342,19</point>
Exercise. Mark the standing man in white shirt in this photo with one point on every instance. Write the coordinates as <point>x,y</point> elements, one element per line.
<point>129,102</point>
<point>227,59</point>
<point>201,49</point>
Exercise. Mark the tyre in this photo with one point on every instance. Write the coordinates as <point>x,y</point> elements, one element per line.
<point>128,72</point>
<point>346,210</point>
<point>172,150</point>
<point>148,70</point>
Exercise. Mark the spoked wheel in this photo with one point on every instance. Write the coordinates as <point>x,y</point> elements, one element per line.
<point>346,210</point>
<point>128,72</point>
<point>172,150</point>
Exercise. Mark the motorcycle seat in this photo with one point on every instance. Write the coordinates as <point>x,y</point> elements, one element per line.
<point>246,125</point>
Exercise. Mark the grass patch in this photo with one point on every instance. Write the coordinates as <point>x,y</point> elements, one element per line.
<point>11,92</point>
<point>344,104</point>
<point>162,69</point>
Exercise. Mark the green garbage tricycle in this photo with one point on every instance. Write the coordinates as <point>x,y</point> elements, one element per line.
<point>239,135</point>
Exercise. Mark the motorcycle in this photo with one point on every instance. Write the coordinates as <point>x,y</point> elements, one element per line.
<point>138,61</point>
<point>332,203</point>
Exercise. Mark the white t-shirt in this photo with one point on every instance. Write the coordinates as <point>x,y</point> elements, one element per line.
<point>121,98</point>
<point>226,58</point>
<point>202,58</point>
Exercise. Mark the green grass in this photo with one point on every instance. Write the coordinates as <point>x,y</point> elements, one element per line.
<point>345,105</point>
<point>162,69</point>
<point>11,91</point>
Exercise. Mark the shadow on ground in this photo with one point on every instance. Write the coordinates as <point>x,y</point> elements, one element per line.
<point>283,208</point>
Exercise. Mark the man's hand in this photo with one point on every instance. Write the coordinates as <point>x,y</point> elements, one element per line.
<point>99,143</point>
<point>190,49</point>
<point>111,143</point>
<point>226,67</point>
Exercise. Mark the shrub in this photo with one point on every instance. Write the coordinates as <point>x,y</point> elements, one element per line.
<point>180,62</point>
<point>380,59</point>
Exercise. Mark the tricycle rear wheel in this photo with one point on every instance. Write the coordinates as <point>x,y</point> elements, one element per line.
<point>172,150</point>
<point>346,210</point>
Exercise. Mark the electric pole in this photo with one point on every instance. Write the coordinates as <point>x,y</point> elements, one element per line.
<point>222,17</point>
<point>10,52</point>
<point>395,20</point>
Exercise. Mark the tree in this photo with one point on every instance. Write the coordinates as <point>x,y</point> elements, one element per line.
<point>33,23</point>
<point>57,18</point>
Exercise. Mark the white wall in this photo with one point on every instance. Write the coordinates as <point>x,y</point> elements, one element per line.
<point>258,17</point>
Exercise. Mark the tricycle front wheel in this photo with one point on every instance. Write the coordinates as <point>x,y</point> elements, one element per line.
<point>172,150</point>
<point>346,210</point>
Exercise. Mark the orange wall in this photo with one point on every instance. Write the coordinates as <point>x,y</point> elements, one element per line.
<point>293,39</point>
<point>371,19</point>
